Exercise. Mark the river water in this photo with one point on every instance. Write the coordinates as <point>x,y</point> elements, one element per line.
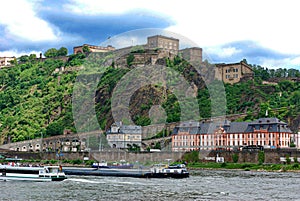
<point>201,185</point>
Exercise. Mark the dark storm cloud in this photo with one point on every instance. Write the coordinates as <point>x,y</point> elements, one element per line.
<point>97,28</point>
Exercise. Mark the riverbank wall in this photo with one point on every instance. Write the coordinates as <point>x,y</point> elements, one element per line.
<point>274,156</point>
<point>98,156</point>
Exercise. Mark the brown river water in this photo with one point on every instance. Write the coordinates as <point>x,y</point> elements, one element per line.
<point>201,185</point>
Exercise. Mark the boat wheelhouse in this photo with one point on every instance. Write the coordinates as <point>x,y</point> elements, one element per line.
<point>173,171</point>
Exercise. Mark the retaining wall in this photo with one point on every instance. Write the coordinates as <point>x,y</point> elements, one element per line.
<point>271,155</point>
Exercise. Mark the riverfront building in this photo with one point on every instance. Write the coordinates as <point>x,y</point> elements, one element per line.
<point>124,136</point>
<point>266,132</point>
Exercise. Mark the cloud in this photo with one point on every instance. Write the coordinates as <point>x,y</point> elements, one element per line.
<point>99,27</point>
<point>116,7</point>
<point>48,25</point>
<point>223,52</point>
<point>288,62</point>
<point>19,21</point>
<point>16,53</point>
<point>227,30</point>
<point>295,61</point>
<point>211,23</point>
<point>254,53</point>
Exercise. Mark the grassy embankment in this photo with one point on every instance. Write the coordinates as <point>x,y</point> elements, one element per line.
<point>245,166</point>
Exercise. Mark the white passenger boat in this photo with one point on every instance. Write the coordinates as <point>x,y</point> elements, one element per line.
<point>164,171</point>
<point>45,173</point>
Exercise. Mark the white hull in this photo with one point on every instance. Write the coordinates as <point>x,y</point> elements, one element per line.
<point>23,178</point>
<point>50,173</point>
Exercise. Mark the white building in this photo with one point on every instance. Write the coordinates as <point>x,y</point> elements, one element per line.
<point>6,61</point>
<point>124,136</point>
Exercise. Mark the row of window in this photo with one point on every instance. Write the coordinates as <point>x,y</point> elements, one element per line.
<point>234,76</point>
<point>235,70</point>
<point>231,143</point>
<point>256,135</point>
<point>161,44</point>
<point>153,43</point>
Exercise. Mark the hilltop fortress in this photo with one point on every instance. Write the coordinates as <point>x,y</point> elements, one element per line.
<point>159,47</point>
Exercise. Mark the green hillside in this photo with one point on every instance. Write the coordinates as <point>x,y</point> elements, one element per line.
<point>36,100</point>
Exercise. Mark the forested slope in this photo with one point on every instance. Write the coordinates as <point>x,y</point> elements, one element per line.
<point>36,100</point>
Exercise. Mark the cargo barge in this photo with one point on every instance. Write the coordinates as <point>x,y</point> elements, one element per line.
<point>158,171</point>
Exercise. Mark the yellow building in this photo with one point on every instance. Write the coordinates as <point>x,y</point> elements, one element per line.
<point>234,72</point>
<point>93,48</point>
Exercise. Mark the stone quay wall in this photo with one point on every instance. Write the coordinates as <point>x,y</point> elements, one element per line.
<point>271,155</point>
<point>99,156</point>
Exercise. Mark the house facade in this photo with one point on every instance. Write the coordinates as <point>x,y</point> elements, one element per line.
<point>93,48</point>
<point>266,132</point>
<point>234,72</point>
<point>123,136</point>
<point>6,61</point>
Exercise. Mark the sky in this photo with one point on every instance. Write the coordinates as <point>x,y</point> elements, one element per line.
<point>265,33</point>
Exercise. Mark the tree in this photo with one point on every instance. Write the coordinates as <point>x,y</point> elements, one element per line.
<point>295,98</point>
<point>24,58</point>
<point>279,72</point>
<point>75,59</point>
<point>130,59</point>
<point>62,51</point>
<point>32,57</point>
<point>55,128</point>
<point>86,49</point>
<point>52,52</point>
<point>286,85</point>
<point>235,158</point>
<point>137,49</point>
<point>245,61</point>
<point>261,157</point>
